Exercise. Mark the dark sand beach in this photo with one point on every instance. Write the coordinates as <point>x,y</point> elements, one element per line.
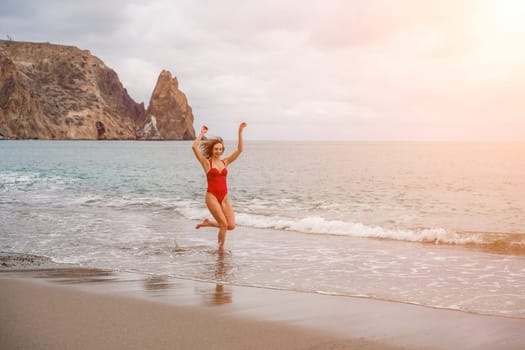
<point>77,308</point>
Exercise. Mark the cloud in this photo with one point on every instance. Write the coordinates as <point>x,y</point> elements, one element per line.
<point>381,69</point>
<point>63,21</point>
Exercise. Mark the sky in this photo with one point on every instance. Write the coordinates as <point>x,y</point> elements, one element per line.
<point>436,70</point>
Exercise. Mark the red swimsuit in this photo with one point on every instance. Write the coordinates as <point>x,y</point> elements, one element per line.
<point>217,182</point>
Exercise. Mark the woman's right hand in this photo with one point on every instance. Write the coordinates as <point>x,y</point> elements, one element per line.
<point>204,129</point>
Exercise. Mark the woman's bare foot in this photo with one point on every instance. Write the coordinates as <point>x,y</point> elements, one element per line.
<point>204,223</point>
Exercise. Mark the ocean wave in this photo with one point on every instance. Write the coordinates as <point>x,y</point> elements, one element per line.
<point>500,242</point>
<point>262,218</point>
<point>34,180</point>
<point>12,179</point>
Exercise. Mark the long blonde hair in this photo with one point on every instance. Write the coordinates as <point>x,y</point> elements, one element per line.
<point>207,145</point>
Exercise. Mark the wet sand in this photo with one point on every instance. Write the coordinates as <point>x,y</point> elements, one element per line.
<point>75,308</point>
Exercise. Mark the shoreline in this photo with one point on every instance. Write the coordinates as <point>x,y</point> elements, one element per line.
<point>39,264</point>
<point>284,319</point>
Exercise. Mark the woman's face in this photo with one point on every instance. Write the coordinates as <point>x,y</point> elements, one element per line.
<point>218,148</point>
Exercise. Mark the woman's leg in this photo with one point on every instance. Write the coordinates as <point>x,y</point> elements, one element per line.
<point>227,209</point>
<point>207,223</point>
<point>216,210</point>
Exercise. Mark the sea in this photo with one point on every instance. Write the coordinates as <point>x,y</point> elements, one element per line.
<point>437,224</point>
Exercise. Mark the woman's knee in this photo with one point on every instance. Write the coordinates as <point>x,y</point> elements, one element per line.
<point>223,225</point>
<point>231,222</point>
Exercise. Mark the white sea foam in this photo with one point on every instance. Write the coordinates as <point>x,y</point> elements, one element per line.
<point>314,224</point>
<point>12,177</point>
<point>319,225</point>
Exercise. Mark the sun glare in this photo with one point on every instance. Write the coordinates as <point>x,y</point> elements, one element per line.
<point>510,15</point>
<point>498,30</point>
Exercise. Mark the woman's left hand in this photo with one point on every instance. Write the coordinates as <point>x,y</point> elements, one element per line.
<point>242,126</point>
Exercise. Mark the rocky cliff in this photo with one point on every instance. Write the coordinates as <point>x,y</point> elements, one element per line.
<point>169,116</point>
<point>52,91</point>
<point>20,113</point>
<point>61,92</point>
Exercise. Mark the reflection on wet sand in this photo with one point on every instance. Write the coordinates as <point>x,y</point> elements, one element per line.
<point>156,283</point>
<point>209,294</point>
<point>76,275</point>
<point>221,294</point>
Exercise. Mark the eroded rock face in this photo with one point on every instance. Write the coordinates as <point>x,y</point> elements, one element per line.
<point>149,131</point>
<point>101,130</point>
<point>52,91</point>
<point>169,116</point>
<point>20,113</point>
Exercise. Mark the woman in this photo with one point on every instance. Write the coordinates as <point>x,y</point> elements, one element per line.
<point>217,200</point>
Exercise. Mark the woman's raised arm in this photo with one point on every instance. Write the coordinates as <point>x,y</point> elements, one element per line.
<point>195,146</point>
<point>231,158</point>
